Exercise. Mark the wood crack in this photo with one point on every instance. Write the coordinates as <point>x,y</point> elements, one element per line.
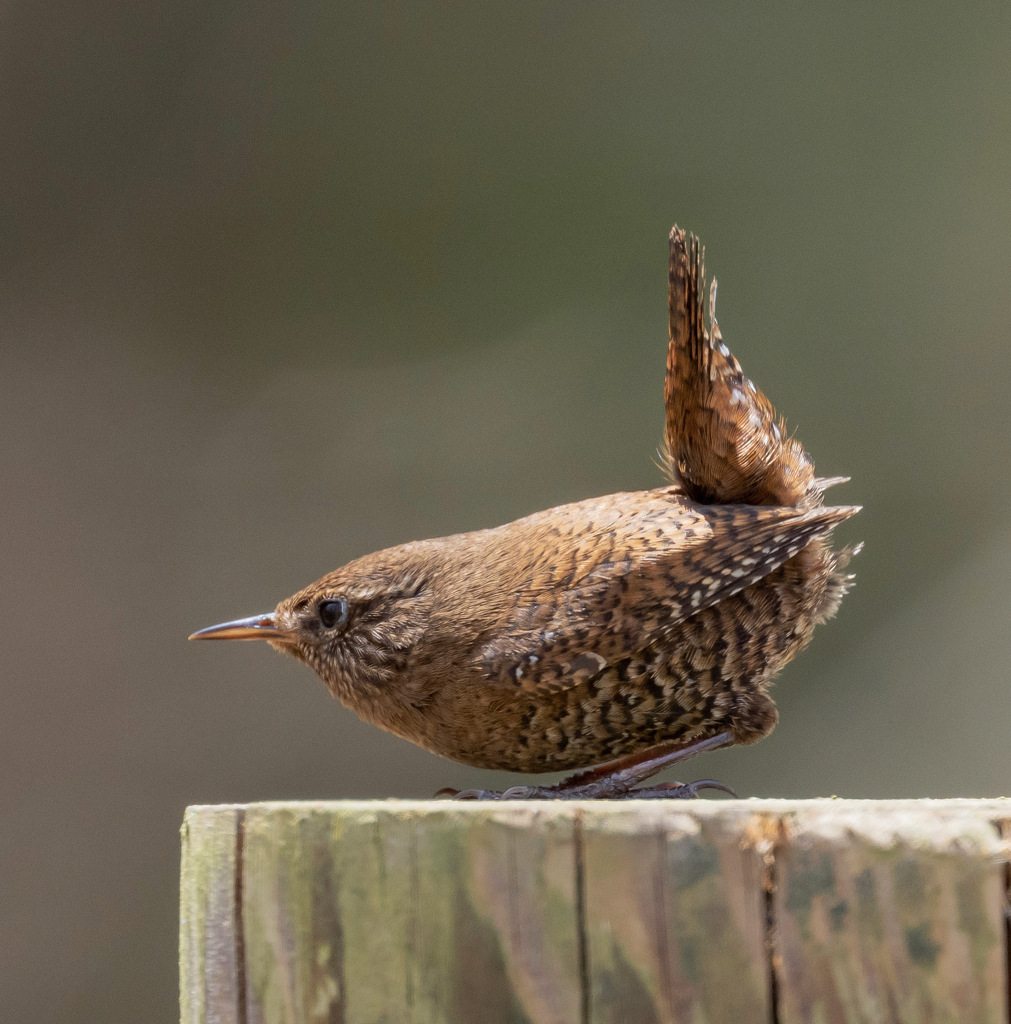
<point>1004,828</point>
<point>237,919</point>
<point>771,945</point>
<point>582,940</point>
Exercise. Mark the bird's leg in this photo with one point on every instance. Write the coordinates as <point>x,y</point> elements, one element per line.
<point>616,779</point>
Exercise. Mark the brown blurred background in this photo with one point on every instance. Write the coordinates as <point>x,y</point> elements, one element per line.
<point>281,284</point>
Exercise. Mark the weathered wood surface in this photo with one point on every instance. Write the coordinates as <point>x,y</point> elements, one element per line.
<point>827,912</point>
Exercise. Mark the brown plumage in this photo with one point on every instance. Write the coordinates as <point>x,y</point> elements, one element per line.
<point>631,630</point>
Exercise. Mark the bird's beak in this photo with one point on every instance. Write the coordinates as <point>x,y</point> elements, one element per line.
<point>256,627</point>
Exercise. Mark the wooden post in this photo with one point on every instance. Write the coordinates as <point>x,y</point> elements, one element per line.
<point>718,912</point>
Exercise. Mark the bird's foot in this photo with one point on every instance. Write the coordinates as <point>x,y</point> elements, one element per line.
<point>676,790</point>
<point>592,791</point>
<point>616,780</point>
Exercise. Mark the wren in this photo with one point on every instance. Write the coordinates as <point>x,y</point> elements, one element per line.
<point>617,635</point>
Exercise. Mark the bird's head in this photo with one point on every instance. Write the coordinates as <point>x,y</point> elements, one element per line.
<point>356,627</point>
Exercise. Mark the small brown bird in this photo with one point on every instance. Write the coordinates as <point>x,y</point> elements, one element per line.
<point>626,632</point>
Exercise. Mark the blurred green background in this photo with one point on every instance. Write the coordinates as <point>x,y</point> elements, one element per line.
<point>283,284</point>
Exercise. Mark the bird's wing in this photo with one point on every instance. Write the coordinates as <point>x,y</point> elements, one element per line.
<point>574,624</point>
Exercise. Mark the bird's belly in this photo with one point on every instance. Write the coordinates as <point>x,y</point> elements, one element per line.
<point>707,675</point>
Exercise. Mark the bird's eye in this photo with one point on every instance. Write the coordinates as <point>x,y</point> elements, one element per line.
<point>333,613</point>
